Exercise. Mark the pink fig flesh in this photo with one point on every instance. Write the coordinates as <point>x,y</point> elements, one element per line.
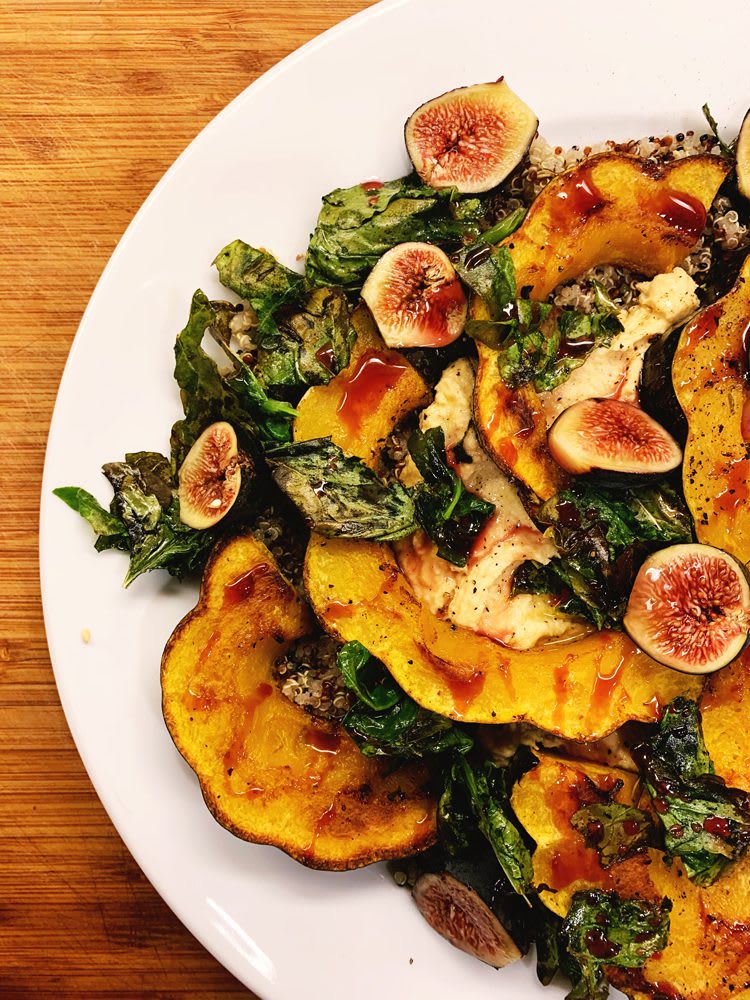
<point>608,435</point>
<point>210,477</point>
<point>462,917</point>
<point>690,608</point>
<point>470,138</point>
<point>415,297</point>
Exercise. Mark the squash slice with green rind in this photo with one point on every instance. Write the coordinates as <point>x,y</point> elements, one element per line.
<point>270,773</point>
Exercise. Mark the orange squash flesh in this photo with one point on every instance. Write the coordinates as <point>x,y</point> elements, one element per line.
<point>349,408</point>
<point>708,954</point>
<point>725,709</point>
<point>610,209</point>
<point>710,377</point>
<point>582,690</point>
<point>269,772</point>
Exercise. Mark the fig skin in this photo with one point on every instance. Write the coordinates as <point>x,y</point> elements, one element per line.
<point>210,477</point>
<point>690,608</point>
<point>612,442</point>
<point>461,916</point>
<point>415,297</point>
<point>742,153</point>
<point>656,394</point>
<point>471,138</point>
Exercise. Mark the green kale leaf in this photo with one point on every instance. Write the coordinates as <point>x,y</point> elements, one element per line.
<point>144,518</point>
<point>448,513</point>
<point>261,280</point>
<point>479,796</point>
<point>615,830</point>
<point>603,536</point>
<point>209,395</point>
<point>339,496</point>
<point>110,530</point>
<point>312,345</point>
<point>357,225</point>
<point>530,349</point>
<point>602,929</point>
<point>706,824</point>
<point>367,678</point>
<point>384,721</point>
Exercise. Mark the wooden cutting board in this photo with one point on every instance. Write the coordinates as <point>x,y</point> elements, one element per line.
<point>96,100</point>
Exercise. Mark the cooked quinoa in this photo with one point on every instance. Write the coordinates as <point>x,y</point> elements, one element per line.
<point>726,233</point>
<point>308,676</point>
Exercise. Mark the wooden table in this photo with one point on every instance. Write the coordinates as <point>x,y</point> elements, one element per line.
<point>96,100</point>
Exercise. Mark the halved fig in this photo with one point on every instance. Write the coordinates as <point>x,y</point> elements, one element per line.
<point>457,912</point>
<point>613,441</point>
<point>210,477</point>
<point>415,297</point>
<point>690,608</point>
<point>742,152</point>
<point>470,138</point>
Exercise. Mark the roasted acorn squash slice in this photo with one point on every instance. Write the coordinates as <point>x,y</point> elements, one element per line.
<point>708,955</point>
<point>349,408</point>
<point>269,772</point>
<point>581,690</point>
<point>725,708</point>
<point>610,209</point>
<point>710,377</point>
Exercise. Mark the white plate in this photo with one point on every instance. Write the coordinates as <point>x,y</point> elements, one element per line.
<point>329,115</point>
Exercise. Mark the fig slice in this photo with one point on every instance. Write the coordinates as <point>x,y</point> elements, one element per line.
<point>210,477</point>
<point>615,442</point>
<point>690,608</point>
<point>415,297</point>
<point>470,138</point>
<point>742,152</point>
<point>461,916</point>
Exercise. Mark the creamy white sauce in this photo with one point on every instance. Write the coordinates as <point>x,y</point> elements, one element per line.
<point>664,302</point>
<point>478,595</point>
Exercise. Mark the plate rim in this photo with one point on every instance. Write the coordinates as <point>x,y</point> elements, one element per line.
<point>226,956</point>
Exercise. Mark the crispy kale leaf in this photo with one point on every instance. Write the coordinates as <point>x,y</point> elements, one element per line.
<point>357,225</point>
<point>144,518</point>
<point>615,830</point>
<point>530,347</point>
<point>261,280</point>
<point>339,496</point>
<point>603,537</point>
<point>479,796</point>
<point>110,530</point>
<point>449,513</point>
<point>706,824</point>
<point>313,343</point>
<point>602,929</point>
<point>384,721</point>
<point>301,338</point>
<point>209,395</point>
<point>367,678</point>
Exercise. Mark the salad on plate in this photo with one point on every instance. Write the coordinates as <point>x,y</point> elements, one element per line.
<point>469,501</point>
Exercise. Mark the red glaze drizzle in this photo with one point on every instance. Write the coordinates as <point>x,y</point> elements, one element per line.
<point>374,374</point>
<point>465,691</point>
<point>680,210</point>
<point>576,199</point>
<point>326,356</point>
<point>604,687</point>
<point>244,586</point>
<point>736,491</point>
<point>237,752</point>
<point>322,741</point>
<point>704,325</point>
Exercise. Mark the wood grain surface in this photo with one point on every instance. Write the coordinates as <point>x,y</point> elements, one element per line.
<point>97,98</point>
